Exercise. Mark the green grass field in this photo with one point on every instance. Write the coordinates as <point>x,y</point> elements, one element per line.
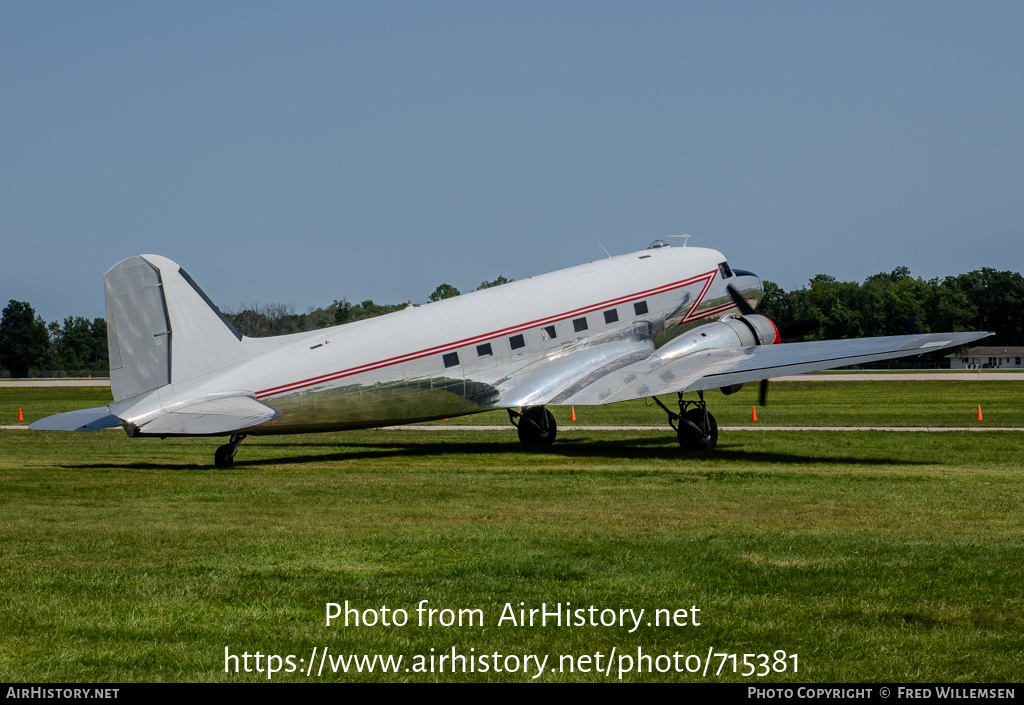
<point>872,556</point>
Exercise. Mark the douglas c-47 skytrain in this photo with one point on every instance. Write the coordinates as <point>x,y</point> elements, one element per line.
<point>662,321</point>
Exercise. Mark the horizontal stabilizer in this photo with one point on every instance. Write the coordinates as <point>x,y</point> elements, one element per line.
<point>80,420</point>
<point>217,414</point>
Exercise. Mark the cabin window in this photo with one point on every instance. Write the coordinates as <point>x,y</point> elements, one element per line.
<point>725,270</point>
<point>484,350</point>
<point>516,341</point>
<point>640,307</point>
<point>579,324</point>
<point>549,333</point>
<point>450,359</point>
<point>611,315</point>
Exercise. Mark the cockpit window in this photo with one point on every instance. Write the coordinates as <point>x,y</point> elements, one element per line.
<point>725,270</point>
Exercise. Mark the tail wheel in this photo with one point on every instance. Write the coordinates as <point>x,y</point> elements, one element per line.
<point>691,438</point>
<point>537,427</point>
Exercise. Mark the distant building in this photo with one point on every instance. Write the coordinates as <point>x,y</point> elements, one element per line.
<point>988,358</point>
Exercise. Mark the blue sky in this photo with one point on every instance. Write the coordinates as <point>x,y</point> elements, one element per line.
<point>305,152</point>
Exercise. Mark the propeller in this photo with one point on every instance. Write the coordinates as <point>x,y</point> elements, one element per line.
<point>794,330</point>
<point>746,309</point>
<point>741,303</point>
<point>797,329</point>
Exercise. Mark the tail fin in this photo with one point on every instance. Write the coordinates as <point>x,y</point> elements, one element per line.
<point>162,328</point>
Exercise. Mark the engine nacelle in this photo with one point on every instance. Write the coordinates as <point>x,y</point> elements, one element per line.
<point>763,330</point>
<point>728,332</point>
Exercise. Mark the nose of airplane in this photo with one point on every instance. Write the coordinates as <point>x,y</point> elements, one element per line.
<point>749,285</point>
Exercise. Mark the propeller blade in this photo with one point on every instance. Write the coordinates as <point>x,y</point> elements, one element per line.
<point>746,309</point>
<point>741,303</point>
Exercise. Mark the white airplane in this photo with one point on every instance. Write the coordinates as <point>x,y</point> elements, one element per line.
<point>665,320</point>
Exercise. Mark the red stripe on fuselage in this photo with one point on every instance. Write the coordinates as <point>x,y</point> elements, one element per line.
<point>295,386</point>
<point>703,292</point>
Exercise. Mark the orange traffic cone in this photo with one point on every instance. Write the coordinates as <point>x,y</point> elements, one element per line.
<point>979,412</point>
<point>572,415</point>
<point>753,413</point>
<point>20,416</point>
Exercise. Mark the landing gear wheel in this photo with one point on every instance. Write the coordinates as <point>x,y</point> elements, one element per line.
<point>691,438</point>
<point>225,456</point>
<point>537,427</point>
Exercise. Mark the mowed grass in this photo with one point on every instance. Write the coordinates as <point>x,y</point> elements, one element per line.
<point>872,556</point>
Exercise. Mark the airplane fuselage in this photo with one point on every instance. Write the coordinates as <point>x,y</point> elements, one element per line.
<point>488,349</point>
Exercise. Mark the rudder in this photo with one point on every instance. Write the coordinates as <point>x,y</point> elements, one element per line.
<point>161,327</point>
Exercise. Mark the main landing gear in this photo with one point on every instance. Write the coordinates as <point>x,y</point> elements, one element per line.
<point>536,425</point>
<point>225,455</point>
<point>694,425</point>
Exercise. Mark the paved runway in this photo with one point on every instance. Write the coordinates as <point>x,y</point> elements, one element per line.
<point>98,382</point>
<point>563,429</point>
<point>988,375</point>
<point>968,375</point>
<point>451,427</point>
<point>976,375</point>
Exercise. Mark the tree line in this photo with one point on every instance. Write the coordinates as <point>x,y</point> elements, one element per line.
<point>893,303</point>
<point>28,343</point>
<point>896,303</point>
<point>29,346</point>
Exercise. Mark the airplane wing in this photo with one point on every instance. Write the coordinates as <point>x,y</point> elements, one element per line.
<point>661,373</point>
